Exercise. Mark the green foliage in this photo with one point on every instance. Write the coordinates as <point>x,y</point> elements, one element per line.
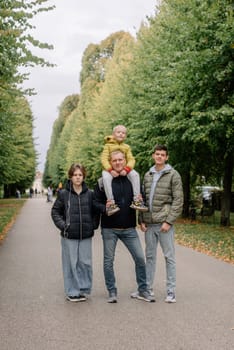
<point>17,153</point>
<point>173,85</point>
<point>171,91</point>
<point>96,57</point>
<point>19,160</point>
<point>82,134</point>
<point>15,39</point>
<point>9,208</point>
<point>55,169</point>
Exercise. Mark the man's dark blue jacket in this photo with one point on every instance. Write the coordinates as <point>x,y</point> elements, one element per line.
<point>123,195</point>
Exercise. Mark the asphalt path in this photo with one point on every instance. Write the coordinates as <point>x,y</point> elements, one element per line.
<point>35,315</point>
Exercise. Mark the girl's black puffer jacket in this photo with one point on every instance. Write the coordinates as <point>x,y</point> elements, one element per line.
<point>73,213</point>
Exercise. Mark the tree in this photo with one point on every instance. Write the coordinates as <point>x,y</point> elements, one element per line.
<point>20,170</point>
<point>179,89</point>
<point>202,107</point>
<point>95,113</point>
<point>14,54</point>
<point>55,160</point>
<point>173,85</point>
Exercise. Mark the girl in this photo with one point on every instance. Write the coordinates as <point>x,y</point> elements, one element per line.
<point>73,214</point>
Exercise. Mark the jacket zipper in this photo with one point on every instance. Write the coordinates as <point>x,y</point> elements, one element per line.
<point>81,233</point>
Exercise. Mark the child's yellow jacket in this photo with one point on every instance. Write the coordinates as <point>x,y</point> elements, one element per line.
<point>113,145</point>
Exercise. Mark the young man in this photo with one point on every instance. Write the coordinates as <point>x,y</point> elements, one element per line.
<point>164,196</point>
<point>120,226</point>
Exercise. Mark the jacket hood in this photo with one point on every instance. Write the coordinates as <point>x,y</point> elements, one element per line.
<point>110,139</point>
<point>166,169</point>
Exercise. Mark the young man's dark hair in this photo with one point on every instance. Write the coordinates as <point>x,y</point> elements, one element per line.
<point>160,147</point>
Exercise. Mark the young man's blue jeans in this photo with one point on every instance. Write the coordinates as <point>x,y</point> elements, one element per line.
<point>131,240</point>
<point>153,235</point>
<point>77,266</point>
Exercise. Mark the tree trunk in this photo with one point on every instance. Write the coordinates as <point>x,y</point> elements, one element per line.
<point>9,190</point>
<point>186,189</point>
<point>226,195</point>
<point>6,191</point>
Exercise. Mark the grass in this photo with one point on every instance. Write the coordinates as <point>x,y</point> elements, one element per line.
<point>9,208</point>
<point>207,237</point>
<point>204,236</point>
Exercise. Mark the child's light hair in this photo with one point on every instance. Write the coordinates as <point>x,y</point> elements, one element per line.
<point>119,126</point>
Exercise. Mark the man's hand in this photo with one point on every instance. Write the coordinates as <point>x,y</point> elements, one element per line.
<point>114,173</point>
<point>109,202</point>
<point>123,173</point>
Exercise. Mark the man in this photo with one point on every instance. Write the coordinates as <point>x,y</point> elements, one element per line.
<point>121,226</point>
<point>164,196</point>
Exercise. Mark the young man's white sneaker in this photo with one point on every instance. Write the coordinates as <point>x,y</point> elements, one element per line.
<point>170,298</point>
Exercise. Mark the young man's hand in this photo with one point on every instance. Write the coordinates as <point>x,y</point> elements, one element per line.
<point>165,227</point>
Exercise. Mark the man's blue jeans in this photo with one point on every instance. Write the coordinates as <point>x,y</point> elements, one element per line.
<point>153,235</point>
<point>131,240</point>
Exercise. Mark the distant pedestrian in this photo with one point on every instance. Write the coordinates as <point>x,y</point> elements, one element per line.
<point>73,214</point>
<point>59,188</point>
<point>49,194</point>
<point>31,192</point>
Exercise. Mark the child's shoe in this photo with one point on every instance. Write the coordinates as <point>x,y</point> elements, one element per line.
<point>138,205</point>
<point>112,209</point>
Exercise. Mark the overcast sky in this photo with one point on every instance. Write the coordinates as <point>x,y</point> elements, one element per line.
<point>70,28</point>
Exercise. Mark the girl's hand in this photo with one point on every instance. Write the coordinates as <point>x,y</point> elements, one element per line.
<point>143,227</point>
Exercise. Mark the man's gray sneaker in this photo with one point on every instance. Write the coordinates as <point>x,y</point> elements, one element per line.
<point>72,298</point>
<point>112,298</point>
<point>170,298</point>
<point>135,294</point>
<point>145,296</point>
